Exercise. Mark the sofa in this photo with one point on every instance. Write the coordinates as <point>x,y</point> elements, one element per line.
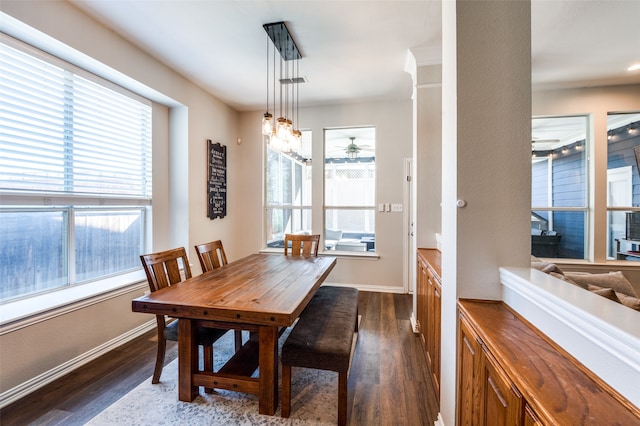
<point>612,285</point>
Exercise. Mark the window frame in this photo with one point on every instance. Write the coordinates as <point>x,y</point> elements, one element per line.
<point>576,144</point>
<point>348,207</point>
<point>12,200</point>
<point>271,207</point>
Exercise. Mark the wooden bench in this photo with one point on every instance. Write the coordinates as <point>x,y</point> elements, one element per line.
<point>322,339</point>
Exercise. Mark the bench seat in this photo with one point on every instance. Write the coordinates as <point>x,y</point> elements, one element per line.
<point>322,339</point>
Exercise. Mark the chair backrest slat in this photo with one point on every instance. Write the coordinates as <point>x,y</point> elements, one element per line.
<point>163,268</point>
<point>211,255</point>
<point>301,245</point>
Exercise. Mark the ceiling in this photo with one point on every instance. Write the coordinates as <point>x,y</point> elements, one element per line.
<point>356,50</point>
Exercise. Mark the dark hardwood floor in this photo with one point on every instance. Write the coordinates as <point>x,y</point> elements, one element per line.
<point>389,382</point>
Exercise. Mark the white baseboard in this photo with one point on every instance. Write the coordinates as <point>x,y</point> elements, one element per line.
<point>414,322</point>
<point>12,395</point>
<point>439,421</point>
<point>371,288</point>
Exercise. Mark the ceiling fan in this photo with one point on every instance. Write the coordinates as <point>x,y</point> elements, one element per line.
<point>352,149</point>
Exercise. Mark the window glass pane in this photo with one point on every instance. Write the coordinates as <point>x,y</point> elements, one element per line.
<point>350,189</point>
<point>559,180</point>
<point>350,229</point>
<point>288,184</point>
<point>107,242</point>
<point>559,162</point>
<point>623,184</point>
<point>32,252</point>
<point>564,234</point>
<point>288,175</point>
<point>286,221</point>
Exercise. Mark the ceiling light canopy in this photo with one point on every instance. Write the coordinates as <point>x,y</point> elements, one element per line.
<point>283,134</point>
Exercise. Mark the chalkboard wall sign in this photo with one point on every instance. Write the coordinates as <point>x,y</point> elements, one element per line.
<point>217,180</point>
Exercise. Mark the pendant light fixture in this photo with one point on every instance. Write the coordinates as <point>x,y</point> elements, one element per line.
<point>281,134</point>
<point>267,118</point>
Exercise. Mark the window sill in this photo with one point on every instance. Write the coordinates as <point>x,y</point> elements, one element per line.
<point>344,254</point>
<point>31,310</point>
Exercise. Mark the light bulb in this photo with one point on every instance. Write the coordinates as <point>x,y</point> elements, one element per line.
<point>267,124</point>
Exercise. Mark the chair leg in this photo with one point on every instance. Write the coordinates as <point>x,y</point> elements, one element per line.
<point>162,345</point>
<point>342,399</point>
<point>238,335</point>
<point>285,410</point>
<point>207,354</point>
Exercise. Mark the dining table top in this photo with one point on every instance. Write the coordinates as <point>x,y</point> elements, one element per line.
<point>260,289</point>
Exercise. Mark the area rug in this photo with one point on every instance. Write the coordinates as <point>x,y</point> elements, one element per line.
<point>314,400</point>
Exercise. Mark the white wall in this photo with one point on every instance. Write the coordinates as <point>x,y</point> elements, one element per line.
<point>392,121</point>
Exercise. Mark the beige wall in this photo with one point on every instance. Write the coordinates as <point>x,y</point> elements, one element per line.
<point>392,121</point>
<point>486,107</point>
<point>184,118</point>
<point>428,155</point>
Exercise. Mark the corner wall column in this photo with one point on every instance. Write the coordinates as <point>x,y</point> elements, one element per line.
<point>486,158</point>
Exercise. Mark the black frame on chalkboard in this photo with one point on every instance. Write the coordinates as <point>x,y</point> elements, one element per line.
<point>216,180</point>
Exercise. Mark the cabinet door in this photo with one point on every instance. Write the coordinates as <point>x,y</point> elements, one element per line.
<point>435,323</point>
<point>501,402</point>
<point>430,319</point>
<point>530,418</point>
<point>421,300</point>
<point>468,366</point>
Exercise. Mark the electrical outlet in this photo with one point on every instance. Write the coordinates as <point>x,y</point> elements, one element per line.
<point>387,207</point>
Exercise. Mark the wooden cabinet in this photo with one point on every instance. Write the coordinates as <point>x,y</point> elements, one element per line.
<point>468,368</point>
<point>511,374</point>
<point>530,418</point>
<point>428,305</point>
<point>501,404</point>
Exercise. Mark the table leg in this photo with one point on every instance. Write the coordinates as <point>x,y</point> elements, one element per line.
<point>187,359</point>
<point>268,348</point>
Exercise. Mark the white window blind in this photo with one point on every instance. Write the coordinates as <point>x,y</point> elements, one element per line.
<point>62,133</point>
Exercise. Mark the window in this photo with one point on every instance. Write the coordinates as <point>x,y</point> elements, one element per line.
<point>75,174</point>
<point>288,192</point>
<point>559,187</point>
<point>623,187</point>
<point>350,189</point>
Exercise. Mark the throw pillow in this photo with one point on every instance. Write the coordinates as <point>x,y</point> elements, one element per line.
<point>613,280</point>
<point>604,292</point>
<point>629,301</point>
<point>562,277</point>
<point>331,234</point>
<point>547,267</point>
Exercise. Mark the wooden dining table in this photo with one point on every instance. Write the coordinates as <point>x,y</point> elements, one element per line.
<point>261,293</point>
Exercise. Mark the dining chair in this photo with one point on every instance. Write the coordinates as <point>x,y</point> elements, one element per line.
<point>163,270</point>
<point>211,256</point>
<point>301,245</point>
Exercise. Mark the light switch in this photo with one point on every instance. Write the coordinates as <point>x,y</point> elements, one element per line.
<point>396,207</point>
<point>387,207</point>
<point>381,207</point>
